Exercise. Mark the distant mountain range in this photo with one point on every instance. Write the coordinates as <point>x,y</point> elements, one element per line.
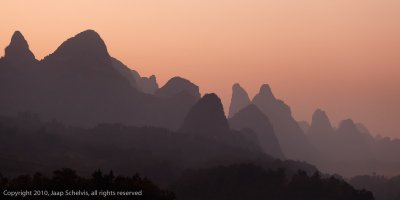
<point>292,141</point>
<point>349,149</point>
<point>82,85</point>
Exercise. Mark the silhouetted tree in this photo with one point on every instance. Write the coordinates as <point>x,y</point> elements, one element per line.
<point>65,178</point>
<point>101,181</point>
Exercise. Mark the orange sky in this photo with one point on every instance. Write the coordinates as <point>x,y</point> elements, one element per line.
<point>339,55</point>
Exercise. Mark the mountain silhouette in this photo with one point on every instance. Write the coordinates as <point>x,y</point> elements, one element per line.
<point>362,128</point>
<point>29,145</point>
<point>347,126</point>
<point>206,120</point>
<point>206,117</point>
<point>178,85</point>
<point>294,143</point>
<point>355,143</point>
<point>16,76</point>
<point>240,99</point>
<point>321,135</point>
<point>126,72</point>
<point>18,52</point>
<point>351,133</point>
<point>85,46</point>
<point>178,96</point>
<point>247,181</point>
<point>147,85</point>
<point>320,123</point>
<point>346,145</point>
<point>251,117</point>
<point>76,84</point>
<point>350,149</point>
<point>81,84</point>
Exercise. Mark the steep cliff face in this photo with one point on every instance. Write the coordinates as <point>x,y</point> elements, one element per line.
<point>239,100</point>
<point>18,52</point>
<point>206,117</point>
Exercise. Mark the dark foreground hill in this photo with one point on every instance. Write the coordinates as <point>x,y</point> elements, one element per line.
<point>382,187</point>
<point>215,164</point>
<point>67,184</point>
<point>248,181</point>
<point>27,145</point>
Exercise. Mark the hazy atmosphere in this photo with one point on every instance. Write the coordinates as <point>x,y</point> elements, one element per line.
<point>188,100</point>
<point>340,56</point>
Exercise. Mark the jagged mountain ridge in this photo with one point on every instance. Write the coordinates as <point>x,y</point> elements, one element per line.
<point>293,141</point>
<point>81,84</point>
<point>147,85</point>
<point>350,149</point>
<point>177,85</point>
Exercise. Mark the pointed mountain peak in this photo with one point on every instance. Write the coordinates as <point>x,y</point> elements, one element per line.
<point>18,38</point>
<point>237,86</point>
<point>18,50</point>
<point>178,85</point>
<point>267,102</point>
<point>320,123</point>
<point>320,116</point>
<point>206,117</point>
<point>153,78</point>
<point>347,125</point>
<point>265,90</point>
<point>239,99</point>
<point>86,44</point>
<point>265,98</point>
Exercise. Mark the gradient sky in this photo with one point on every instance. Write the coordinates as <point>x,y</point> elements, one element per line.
<point>342,56</point>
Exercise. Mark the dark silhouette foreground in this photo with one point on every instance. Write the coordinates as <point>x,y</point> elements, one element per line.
<point>67,179</point>
<point>383,188</point>
<point>248,181</point>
